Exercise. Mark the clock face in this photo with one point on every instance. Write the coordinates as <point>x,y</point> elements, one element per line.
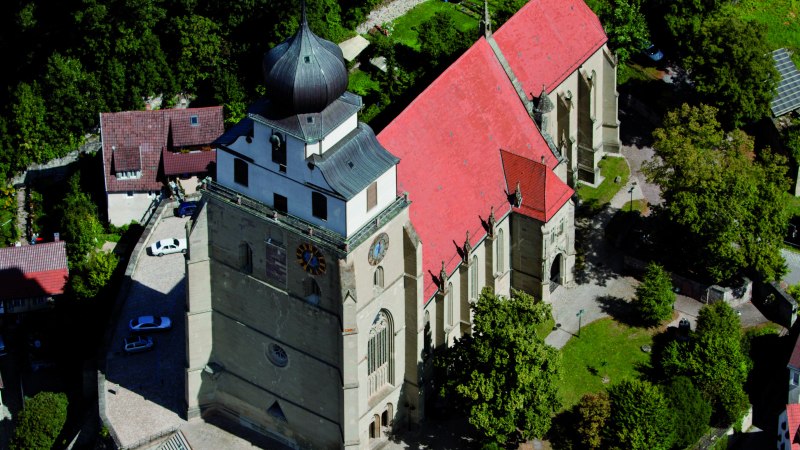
<point>378,248</point>
<point>311,259</point>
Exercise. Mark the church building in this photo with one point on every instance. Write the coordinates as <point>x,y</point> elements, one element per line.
<point>327,262</point>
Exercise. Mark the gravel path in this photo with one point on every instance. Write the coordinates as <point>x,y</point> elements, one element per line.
<point>386,13</point>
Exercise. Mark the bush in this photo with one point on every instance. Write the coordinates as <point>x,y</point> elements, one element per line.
<point>654,297</point>
<point>692,412</point>
<point>40,421</point>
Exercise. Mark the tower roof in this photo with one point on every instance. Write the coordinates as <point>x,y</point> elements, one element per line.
<point>305,73</point>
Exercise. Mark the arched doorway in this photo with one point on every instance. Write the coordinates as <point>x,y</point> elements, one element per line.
<point>555,271</point>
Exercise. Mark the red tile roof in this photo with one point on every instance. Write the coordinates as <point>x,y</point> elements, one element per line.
<point>794,360</point>
<point>150,132</point>
<point>448,141</point>
<point>177,163</point>
<point>33,270</point>
<point>547,40</point>
<point>126,159</point>
<point>793,419</point>
<point>543,193</point>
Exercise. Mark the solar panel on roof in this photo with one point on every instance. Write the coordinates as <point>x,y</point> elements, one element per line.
<point>787,97</point>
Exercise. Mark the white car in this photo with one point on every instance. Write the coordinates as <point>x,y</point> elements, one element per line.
<point>167,246</point>
<point>143,324</point>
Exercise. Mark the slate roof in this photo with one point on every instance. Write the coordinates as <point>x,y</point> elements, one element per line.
<point>787,95</point>
<point>150,132</point>
<point>547,40</point>
<point>177,163</point>
<point>305,73</point>
<point>309,127</point>
<point>448,141</point>
<point>354,162</point>
<point>543,193</point>
<point>32,271</point>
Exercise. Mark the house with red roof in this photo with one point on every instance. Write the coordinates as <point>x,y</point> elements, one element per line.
<point>146,151</point>
<point>32,276</point>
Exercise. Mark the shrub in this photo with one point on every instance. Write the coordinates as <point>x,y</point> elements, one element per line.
<point>40,421</point>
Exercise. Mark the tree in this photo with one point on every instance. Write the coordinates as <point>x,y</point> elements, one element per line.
<point>440,40</point>
<point>79,221</point>
<point>503,375</point>
<point>731,68</point>
<point>654,296</point>
<point>40,421</point>
<point>640,417</point>
<point>593,412</point>
<point>715,359</point>
<point>88,277</point>
<point>725,205</point>
<point>692,412</point>
<point>625,26</point>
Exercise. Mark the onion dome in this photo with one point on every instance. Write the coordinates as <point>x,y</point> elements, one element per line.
<point>305,73</point>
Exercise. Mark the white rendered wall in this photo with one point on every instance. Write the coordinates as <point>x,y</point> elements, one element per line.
<point>122,209</point>
<point>265,179</point>
<point>357,214</point>
<point>339,132</point>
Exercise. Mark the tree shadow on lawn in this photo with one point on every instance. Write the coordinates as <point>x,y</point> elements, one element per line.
<point>620,310</point>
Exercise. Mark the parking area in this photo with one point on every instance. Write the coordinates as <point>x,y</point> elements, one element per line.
<point>144,391</point>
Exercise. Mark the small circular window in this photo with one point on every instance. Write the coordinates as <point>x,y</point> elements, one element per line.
<point>277,355</point>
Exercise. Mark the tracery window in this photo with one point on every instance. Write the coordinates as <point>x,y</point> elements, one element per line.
<point>379,352</point>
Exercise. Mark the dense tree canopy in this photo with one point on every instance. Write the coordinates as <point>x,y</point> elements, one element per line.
<point>40,421</point>
<point>641,418</point>
<point>725,204</point>
<point>504,375</point>
<point>654,296</point>
<point>731,68</point>
<point>625,26</point>
<point>79,222</point>
<point>440,40</point>
<point>715,359</point>
<point>691,412</point>
<point>593,412</point>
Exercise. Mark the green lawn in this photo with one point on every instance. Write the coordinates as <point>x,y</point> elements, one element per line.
<point>610,168</point>
<point>402,28</point>
<point>543,329</point>
<point>782,18</point>
<point>638,205</point>
<point>794,205</point>
<point>361,83</point>
<point>605,349</point>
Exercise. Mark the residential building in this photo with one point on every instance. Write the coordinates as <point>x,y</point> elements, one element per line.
<point>32,276</point>
<point>147,151</point>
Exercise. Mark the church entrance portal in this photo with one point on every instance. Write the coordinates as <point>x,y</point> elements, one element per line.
<point>555,272</point>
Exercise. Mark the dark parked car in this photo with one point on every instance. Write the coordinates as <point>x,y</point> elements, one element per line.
<point>135,344</point>
<point>653,53</point>
<point>186,209</point>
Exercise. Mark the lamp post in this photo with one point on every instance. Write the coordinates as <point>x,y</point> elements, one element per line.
<point>633,186</point>
<point>580,316</point>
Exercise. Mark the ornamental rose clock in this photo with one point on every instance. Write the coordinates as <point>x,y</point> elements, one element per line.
<point>311,259</point>
<point>378,248</point>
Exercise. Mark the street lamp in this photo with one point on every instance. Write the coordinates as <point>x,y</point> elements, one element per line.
<point>633,186</point>
<point>580,315</point>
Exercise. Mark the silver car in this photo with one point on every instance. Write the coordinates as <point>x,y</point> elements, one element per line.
<point>168,246</point>
<point>143,324</point>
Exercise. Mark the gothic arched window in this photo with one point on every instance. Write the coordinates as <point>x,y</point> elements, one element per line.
<point>380,352</point>
<point>378,277</point>
<point>448,304</point>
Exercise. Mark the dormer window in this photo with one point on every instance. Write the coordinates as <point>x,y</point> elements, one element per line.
<point>129,175</point>
<point>194,121</point>
<point>306,59</point>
